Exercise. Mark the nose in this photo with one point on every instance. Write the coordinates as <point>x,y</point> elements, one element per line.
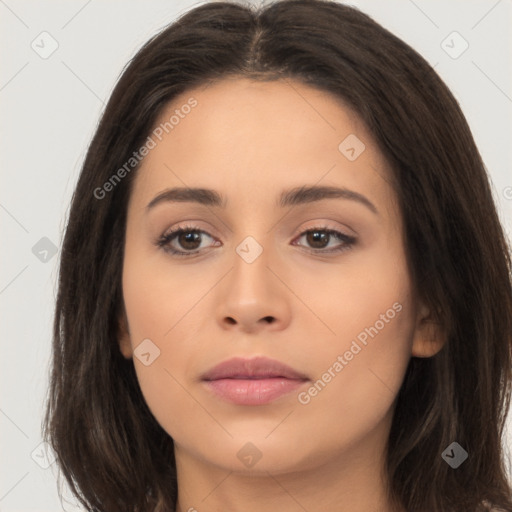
<point>254,296</point>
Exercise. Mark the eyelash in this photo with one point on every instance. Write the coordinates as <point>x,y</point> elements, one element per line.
<point>165,240</point>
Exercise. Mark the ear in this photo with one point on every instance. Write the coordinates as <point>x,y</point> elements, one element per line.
<point>429,335</point>
<point>123,336</point>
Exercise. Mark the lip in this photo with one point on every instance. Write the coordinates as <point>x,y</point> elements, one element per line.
<point>255,381</point>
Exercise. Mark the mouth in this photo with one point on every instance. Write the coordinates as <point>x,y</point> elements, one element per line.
<point>254,381</point>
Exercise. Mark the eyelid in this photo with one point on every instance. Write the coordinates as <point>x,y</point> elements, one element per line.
<point>346,241</point>
<point>325,225</point>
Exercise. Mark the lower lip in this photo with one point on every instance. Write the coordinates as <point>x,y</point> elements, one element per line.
<point>253,391</point>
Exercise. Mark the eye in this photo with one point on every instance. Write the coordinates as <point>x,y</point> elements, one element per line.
<point>319,238</point>
<point>190,238</point>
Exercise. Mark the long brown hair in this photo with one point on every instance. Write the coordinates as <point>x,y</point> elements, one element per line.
<point>112,452</point>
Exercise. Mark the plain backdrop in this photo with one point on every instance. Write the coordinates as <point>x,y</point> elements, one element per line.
<point>50,108</point>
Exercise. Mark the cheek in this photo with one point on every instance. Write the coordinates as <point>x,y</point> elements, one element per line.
<point>158,295</point>
<point>172,404</point>
<point>360,365</point>
<point>356,383</point>
<point>162,309</point>
<point>161,355</point>
<point>366,296</point>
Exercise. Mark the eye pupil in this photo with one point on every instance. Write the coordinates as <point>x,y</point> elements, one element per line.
<point>317,236</point>
<point>188,237</point>
<point>189,240</point>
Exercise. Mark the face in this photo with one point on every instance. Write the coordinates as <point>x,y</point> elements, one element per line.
<point>316,281</point>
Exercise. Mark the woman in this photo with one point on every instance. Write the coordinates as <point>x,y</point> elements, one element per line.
<point>283,284</point>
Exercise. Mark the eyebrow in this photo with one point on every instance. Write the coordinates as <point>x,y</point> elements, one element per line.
<point>292,197</point>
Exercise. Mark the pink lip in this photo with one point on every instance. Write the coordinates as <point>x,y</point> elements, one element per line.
<point>254,381</point>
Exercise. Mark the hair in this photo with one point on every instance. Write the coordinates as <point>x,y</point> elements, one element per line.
<point>113,453</point>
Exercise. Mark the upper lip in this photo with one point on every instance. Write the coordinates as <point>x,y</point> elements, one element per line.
<point>257,367</point>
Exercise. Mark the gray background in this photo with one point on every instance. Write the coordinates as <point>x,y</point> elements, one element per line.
<point>50,109</point>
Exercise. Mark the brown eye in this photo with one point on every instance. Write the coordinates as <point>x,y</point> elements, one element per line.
<point>184,241</point>
<point>319,238</point>
<point>189,239</point>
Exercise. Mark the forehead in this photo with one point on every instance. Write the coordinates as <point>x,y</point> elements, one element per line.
<point>259,136</point>
<point>240,110</point>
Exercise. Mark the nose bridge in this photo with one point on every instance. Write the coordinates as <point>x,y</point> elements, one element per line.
<point>251,249</point>
<point>252,236</point>
<point>251,262</point>
<point>253,295</point>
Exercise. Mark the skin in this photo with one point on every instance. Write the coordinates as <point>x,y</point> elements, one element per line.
<point>249,141</point>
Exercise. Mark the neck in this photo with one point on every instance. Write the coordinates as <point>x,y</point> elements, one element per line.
<point>353,480</point>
